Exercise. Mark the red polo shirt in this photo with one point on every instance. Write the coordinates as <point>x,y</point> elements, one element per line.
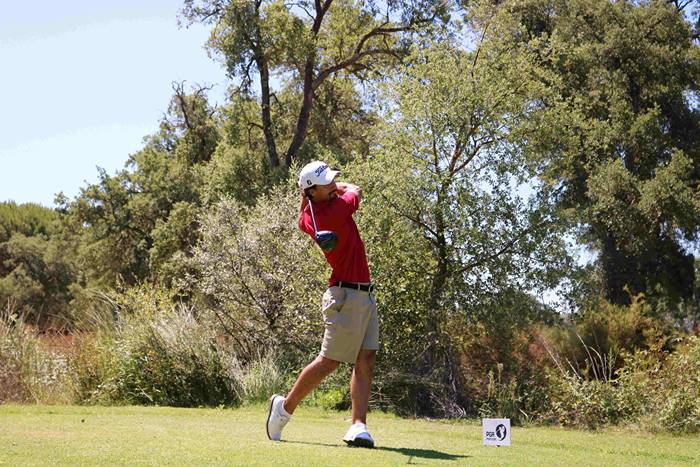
<point>348,258</point>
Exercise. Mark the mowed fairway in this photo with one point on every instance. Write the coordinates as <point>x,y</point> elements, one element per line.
<point>60,435</point>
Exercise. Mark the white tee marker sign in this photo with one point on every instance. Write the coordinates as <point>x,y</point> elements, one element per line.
<point>496,431</point>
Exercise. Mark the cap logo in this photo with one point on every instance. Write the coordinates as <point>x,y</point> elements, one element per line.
<point>308,182</point>
<point>320,170</point>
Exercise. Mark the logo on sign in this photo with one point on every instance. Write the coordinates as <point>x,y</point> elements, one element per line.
<point>501,432</point>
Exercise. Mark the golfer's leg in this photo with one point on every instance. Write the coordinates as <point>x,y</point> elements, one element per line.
<point>309,378</point>
<point>360,384</point>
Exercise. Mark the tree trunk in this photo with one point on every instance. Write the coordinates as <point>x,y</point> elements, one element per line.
<point>266,117</point>
<point>303,120</point>
<point>437,363</point>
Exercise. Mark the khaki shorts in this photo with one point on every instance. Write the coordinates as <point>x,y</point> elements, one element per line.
<point>351,323</point>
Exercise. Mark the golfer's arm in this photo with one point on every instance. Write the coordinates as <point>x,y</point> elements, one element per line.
<point>345,187</point>
<point>302,205</point>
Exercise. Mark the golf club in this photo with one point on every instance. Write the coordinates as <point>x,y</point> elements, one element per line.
<point>326,239</point>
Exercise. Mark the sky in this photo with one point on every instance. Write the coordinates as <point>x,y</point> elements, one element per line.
<point>83,82</point>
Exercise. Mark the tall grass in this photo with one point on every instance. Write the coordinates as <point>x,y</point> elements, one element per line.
<point>28,371</point>
<point>163,353</point>
<point>161,358</point>
<point>259,379</point>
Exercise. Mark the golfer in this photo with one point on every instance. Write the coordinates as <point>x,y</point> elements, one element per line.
<point>349,307</point>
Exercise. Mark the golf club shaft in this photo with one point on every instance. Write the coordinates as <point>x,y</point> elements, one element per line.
<point>312,216</point>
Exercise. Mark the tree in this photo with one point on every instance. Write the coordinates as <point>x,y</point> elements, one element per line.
<point>620,138</point>
<point>36,273</point>
<point>312,41</point>
<point>140,223</point>
<point>448,180</point>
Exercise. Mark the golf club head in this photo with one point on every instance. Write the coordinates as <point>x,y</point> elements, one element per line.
<point>326,239</point>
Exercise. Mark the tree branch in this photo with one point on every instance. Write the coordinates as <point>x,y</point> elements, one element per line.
<point>349,62</point>
<point>411,218</point>
<point>507,247</point>
<point>321,10</point>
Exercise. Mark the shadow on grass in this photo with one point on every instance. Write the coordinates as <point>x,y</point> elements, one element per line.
<point>410,452</point>
<point>424,453</point>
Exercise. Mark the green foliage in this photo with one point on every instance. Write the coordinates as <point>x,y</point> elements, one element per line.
<point>502,398</point>
<point>237,172</point>
<point>334,392</point>
<point>654,390</point>
<point>28,219</point>
<point>308,44</point>
<point>173,239</point>
<point>664,389</point>
<point>165,356</point>
<point>35,267</point>
<point>619,134</point>
<point>449,231</point>
<point>584,403</point>
<point>91,364</point>
<point>596,342</point>
<point>38,280</point>
<point>140,224</point>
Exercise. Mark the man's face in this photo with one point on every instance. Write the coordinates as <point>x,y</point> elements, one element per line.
<point>322,193</point>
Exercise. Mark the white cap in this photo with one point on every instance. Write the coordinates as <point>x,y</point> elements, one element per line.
<point>316,173</point>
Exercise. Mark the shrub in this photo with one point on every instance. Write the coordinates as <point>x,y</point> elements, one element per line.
<point>503,371</point>
<point>502,398</point>
<point>170,359</point>
<point>584,403</point>
<point>677,395</point>
<point>159,353</point>
<point>597,340</point>
<point>261,277</point>
<point>658,390</point>
<point>334,392</point>
<point>91,363</point>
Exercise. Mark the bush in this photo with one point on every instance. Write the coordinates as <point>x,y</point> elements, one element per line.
<point>584,403</point>
<point>665,388</point>
<point>679,392</point>
<point>159,353</point>
<point>503,371</point>
<point>597,340</point>
<point>163,353</point>
<point>334,392</point>
<point>262,278</point>
<point>90,366</point>
<point>657,390</point>
<point>503,398</point>
<point>170,359</point>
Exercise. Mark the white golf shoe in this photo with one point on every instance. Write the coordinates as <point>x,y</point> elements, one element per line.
<point>358,436</point>
<point>277,418</point>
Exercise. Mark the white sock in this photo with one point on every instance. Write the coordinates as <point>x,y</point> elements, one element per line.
<point>282,411</point>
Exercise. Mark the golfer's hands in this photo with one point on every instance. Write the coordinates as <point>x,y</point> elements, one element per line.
<point>345,187</point>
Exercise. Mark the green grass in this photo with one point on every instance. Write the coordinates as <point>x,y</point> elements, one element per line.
<point>65,435</point>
